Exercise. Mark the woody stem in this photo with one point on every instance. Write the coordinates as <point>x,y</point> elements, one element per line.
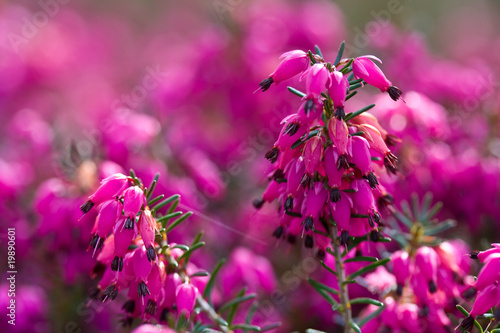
<point>339,268</point>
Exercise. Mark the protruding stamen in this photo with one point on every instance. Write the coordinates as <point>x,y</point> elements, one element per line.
<point>273,154</point>
<point>394,92</point>
<point>266,83</point>
<point>335,195</point>
<point>86,207</point>
<point>309,241</point>
<point>278,232</point>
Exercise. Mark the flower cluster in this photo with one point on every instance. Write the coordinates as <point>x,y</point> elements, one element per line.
<point>423,287</point>
<point>135,255</point>
<point>487,285</point>
<point>325,162</point>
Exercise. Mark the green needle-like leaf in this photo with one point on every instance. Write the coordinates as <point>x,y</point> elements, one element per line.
<point>351,95</point>
<point>207,293</point>
<point>320,286</point>
<point>318,51</point>
<point>355,327</point>
<point>166,201</point>
<point>466,314</point>
<point>325,266</point>
<point>437,228</point>
<point>236,301</point>
<point>296,92</point>
<point>361,258</point>
<point>179,221</point>
<point>372,315</point>
<point>270,327</point>
<point>339,54</point>
<point>366,300</point>
<point>168,217</point>
<point>368,268</point>
<point>247,327</point>
<point>152,186</point>
<point>357,113</point>
<point>155,200</point>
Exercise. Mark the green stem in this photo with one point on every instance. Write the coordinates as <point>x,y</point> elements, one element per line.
<point>339,267</point>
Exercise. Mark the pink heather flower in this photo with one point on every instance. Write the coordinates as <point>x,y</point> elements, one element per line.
<point>292,130</point>
<point>340,211</point>
<point>333,172</point>
<point>133,200</point>
<point>484,256</point>
<point>364,68</point>
<point>122,239</point>
<point>185,295</point>
<point>105,221</point>
<point>339,134</point>
<point>317,79</point>
<point>147,228</point>
<point>378,144</point>
<point>401,268</point>
<point>361,157</point>
<point>427,261</point>
<point>338,92</point>
<point>172,281</point>
<point>364,201</point>
<point>292,64</point>
<point>370,119</point>
<point>312,205</point>
<point>313,153</point>
<point>485,300</point>
<point>110,187</point>
<point>490,272</point>
<point>155,282</point>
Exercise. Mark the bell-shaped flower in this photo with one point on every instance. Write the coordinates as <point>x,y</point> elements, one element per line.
<point>147,228</point>
<point>292,63</point>
<point>109,188</point>
<point>401,268</point>
<point>186,295</point>
<point>313,153</point>
<point>317,79</point>
<point>133,200</point>
<point>427,261</point>
<point>364,68</point>
<point>338,92</point>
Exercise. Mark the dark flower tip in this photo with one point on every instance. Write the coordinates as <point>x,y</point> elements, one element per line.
<point>394,92</point>
<point>151,307</point>
<point>385,200</point>
<point>257,203</point>
<point>342,162</point>
<point>309,241</point>
<point>473,255</point>
<point>163,315</point>
<point>344,238</point>
<point>273,154</point>
<point>129,306</point>
<point>266,83</point>
<point>374,236</point>
<point>308,223</point>
<point>98,269</point>
<point>372,180</point>
<point>390,162</point>
<point>391,140</point>
<point>292,128</point>
<point>321,254</point>
<point>278,232</point>
<point>309,106</point>
<point>288,206</point>
<point>109,293</point>
<point>374,218</point>
<point>399,289</point>
<point>94,293</point>
<point>86,207</point>
<point>306,181</point>
<point>278,174</point>
<point>117,264</point>
<point>340,113</point>
<point>467,323</point>
<point>129,223</point>
<point>151,253</point>
<point>432,287</point>
<point>291,238</point>
<point>335,195</point>
<point>469,293</point>
<point>142,289</point>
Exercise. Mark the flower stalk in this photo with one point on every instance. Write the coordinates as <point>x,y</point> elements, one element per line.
<point>339,268</point>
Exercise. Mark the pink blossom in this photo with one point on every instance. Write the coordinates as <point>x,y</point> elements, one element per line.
<point>186,294</point>
<point>293,63</point>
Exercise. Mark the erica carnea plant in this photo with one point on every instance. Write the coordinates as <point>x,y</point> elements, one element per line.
<point>326,163</point>
<point>157,281</point>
